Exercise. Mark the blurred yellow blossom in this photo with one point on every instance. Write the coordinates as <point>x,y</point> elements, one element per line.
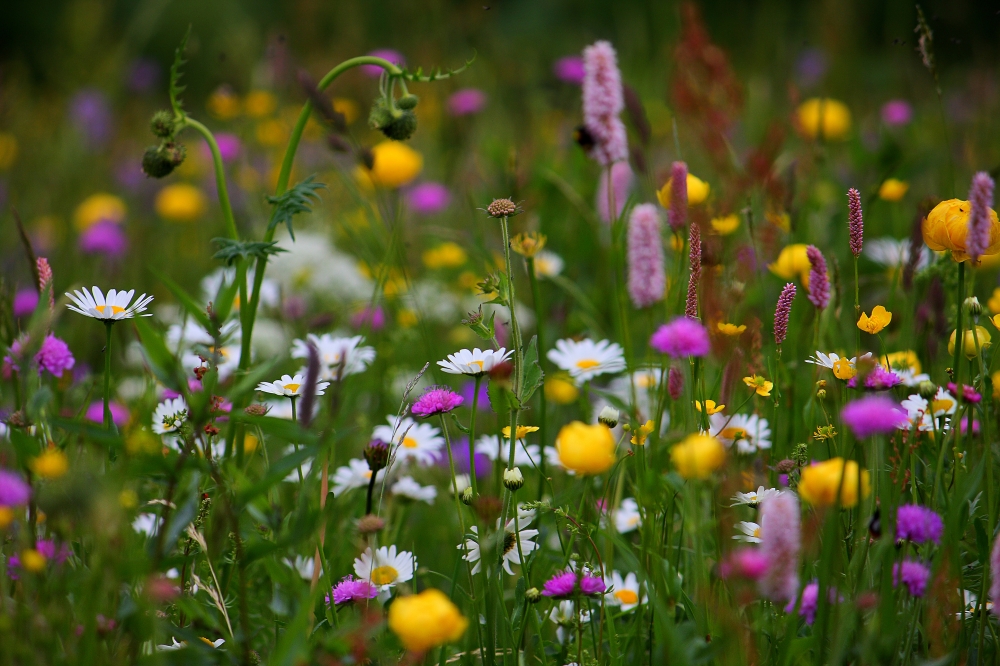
<point>6,517</point>
<point>697,191</point>
<point>561,390</point>
<point>731,329</point>
<point>99,207</point>
<point>445,255</point>
<point>994,302</point>
<point>710,406</point>
<point>426,620</point>
<point>697,456</point>
<point>406,318</point>
<point>969,342</point>
<point>347,108</point>
<point>879,320</point>
<point>726,225</point>
<point>821,483</point>
<point>826,118</point>
<point>394,164</point>
<point>272,132</point>
<point>32,560</point>
<point>893,189</point>
<point>128,499</point>
<point>8,150</point>
<point>792,262</point>
<point>259,103</point>
<point>181,202</point>
<point>902,360</point>
<point>223,104</point>
<point>586,449</point>
<point>528,244</point>
<point>947,224</point>
<point>51,464</point>
<point>522,431</point>
<point>780,219</point>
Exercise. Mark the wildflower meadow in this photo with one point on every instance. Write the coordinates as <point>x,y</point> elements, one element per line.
<point>519,335</point>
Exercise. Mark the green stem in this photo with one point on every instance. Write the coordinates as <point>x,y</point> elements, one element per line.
<point>108,420</point>
<point>472,438</point>
<point>536,298</point>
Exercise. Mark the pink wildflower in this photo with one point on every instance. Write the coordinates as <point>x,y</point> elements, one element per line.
<point>436,400</point>
<point>995,577</point>
<point>675,383</point>
<point>694,260</point>
<point>622,180</point>
<point>780,544</point>
<point>782,312</point>
<point>54,356</point>
<point>873,415</point>
<point>45,280</point>
<point>677,214</point>
<point>13,489</point>
<point>977,238</point>
<point>819,281</point>
<point>913,574</point>
<point>855,222</point>
<point>349,590</point>
<point>747,563</point>
<point>647,278</point>
<point>681,338</point>
<point>603,101</point>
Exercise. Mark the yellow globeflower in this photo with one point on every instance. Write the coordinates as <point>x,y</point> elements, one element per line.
<point>99,207</point>
<point>792,262</point>
<point>181,202</point>
<point>8,150</point>
<point>969,342</point>
<point>32,560</point>
<point>394,164</point>
<point>697,191</point>
<point>710,406</point>
<point>426,620</point>
<point>561,390</point>
<point>731,329</point>
<point>259,103</point>
<point>698,456</point>
<point>759,384</point>
<point>586,449</point>
<point>893,189</point>
<point>826,118</point>
<point>52,464</point>
<point>726,225</point>
<point>446,255</point>
<point>902,360</point>
<point>879,320</point>
<point>946,226</point>
<point>823,482</point>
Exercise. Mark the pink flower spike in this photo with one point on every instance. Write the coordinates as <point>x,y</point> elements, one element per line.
<point>603,101</point>
<point>855,223</point>
<point>977,237</point>
<point>647,278</point>
<point>781,313</point>
<point>780,544</point>
<point>677,214</point>
<point>819,281</point>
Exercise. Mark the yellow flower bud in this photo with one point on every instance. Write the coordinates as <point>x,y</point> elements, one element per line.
<point>969,342</point>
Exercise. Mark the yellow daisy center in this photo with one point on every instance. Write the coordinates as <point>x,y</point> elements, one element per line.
<point>292,387</point>
<point>942,405</point>
<point>756,533</point>
<point>479,363</point>
<point>409,442</point>
<point>733,432</point>
<point>368,474</point>
<point>587,363</point>
<point>114,309</point>
<point>627,596</point>
<point>384,575</point>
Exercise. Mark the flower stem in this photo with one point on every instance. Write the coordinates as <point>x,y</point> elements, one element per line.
<point>108,420</point>
<point>472,438</point>
<point>536,299</point>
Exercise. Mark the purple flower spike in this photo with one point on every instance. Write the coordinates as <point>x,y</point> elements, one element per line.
<point>977,237</point>
<point>855,222</point>
<point>819,281</point>
<point>781,313</point>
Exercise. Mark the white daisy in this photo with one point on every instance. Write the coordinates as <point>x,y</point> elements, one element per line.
<point>475,362</point>
<point>969,603</point>
<point>291,387</point>
<point>147,523</point>
<point>548,264</point>
<point>510,541</point>
<point>627,517</point>
<point>748,532</point>
<point>493,447</point>
<point>407,487</point>
<point>355,474</point>
<point>923,414</point>
<point>754,498</point>
<point>169,416</point>
<point>564,615</point>
<point>115,306</point>
<point>305,566</point>
<point>410,440</point>
<point>894,253</point>
<point>750,433</point>
<point>624,592</point>
<point>385,568</point>
<point>831,359</point>
<point>586,359</point>
<point>334,351</point>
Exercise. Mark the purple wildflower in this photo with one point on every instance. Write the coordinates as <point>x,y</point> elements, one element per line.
<point>694,261</point>
<point>54,356</point>
<point>964,425</point>
<point>468,391</point>
<point>675,383</point>
<point>647,278</point>
<point>229,148</point>
<point>977,238</point>
<point>13,489</point>
<point>592,585</point>
<point>47,547</point>
<point>897,112</point>
<point>873,415</point>
<point>90,113</point>
<point>913,575</point>
<point>622,180</point>
<point>428,198</point>
<point>681,338</point>
<point>374,318</point>
<point>119,413</point>
<point>968,393</point>
<point>747,563</point>
<point>819,282</point>
<point>570,69</point>
<point>560,585</point>
<point>855,223</point>
<point>995,577</point>
<point>811,66</point>
<point>16,353</point>
<point>780,543</point>
<point>677,214</point>
<point>143,75</point>
<point>105,238</point>
<point>603,101</point>
<point>349,590</point>
<point>436,400</point>
<point>374,71</point>
<point>879,379</point>
<point>810,599</point>
<point>918,524</point>
<point>466,102</point>
<point>25,302</point>
<point>781,313</point>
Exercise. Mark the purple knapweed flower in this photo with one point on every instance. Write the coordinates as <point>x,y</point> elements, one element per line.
<point>781,540</point>
<point>570,69</point>
<point>351,590</point>
<point>855,222</point>
<point>677,213</point>
<point>592,585</point>
<point>977,238</point>
<point>25,302</point>
<point>374,71</point>
<point>54,356</point>
<point>428,198</point>
<point>603,101</point>
<point>647,278</point>
<point>873,415</point>
<point>14,491</point>
<point>564,584</point>
<point>436,400</point>
<point>918,524</point>
<point>681,338</point>
<point>781,313</point>
<point>914,575</point>
<point>879,379</point>
<point>622,181</point>
<point>105,238</point>
<point>119,413</point>
<point>466,102</point>
<point>897,112</point>
<point>819,281</point>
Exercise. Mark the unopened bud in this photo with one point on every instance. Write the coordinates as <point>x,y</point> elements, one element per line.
<point>821,394</point>
<point>369,524</point>
<point>973,306</point>
<point>608,416</point>
<point>927,389</point>
<point>377,455</point>
<point>466,496</point>
<point>532,595</point>
<point>512,479</point>
<point>785,466</point>
<point>407,102</point>
<point>162,124</point>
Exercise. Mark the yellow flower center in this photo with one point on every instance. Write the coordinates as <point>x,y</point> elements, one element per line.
<point>292,387</point>
<point>479,363</point>
<point>942,405</point>
<point>409,442</point>
<point>756,533</point>
<point>645,381</point>
<point>734,433</point>
<point>587,363</point>
<point>368,474</point>
<point>114,309</point>
<point>627,596</point>
<point>384,575</point>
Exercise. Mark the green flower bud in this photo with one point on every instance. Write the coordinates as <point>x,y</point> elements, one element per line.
<point>162,124</point>
<point>160,161</point>
<point>407,102</point>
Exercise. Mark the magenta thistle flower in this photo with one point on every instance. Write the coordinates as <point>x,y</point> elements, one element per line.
<point>681,338</point>
<point>25,302</point>
<point>781,313</point>
<point>45,280</point>
<point>561,585</point>
<point>810,599</point>
<point>855,223</point>
<point>54,356</point>
<point>592,585</point>
<point>13,489</point>
<point>603,101</point>
<point>918,524</point>
<point>349,590</point>
<point>570,69</point>
<point>677,214</point>
<point>436,400</point>
<point>995,577</point>
<point>622,180</point>
<point>747,563</point>
<point>819,282</point>
<point>879,379</point>
<point>675,383</point>
<point>647,278</point>
<point>977,237</point>
<point>913,575</point>
<point>780,544</point>
<point>466,102</point>
<point>873,415</point>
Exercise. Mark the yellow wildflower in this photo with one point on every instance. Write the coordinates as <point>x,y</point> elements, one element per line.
<point>759,384</point>
<point>224,104</point>
<point>347,108</point>
<point>710,406</point>
<point>586,449</point>
<point>823,482</point>
<point>792,262</point>
<point>879,320</point>
<point>642,432</point>
<point>426,620</point>
<point>32,560</point>
<point>528,244</point>
<point>731,329</point>
<point>6,517</point>
<point>893,189</point>
<point>726,225</point>
<point>51,464</point>
<point>561,390</point>
<point>446,255</point>
<point>128,499</point>
<point>522,431</point>
<point>697,191</point>
<point>99,207</point>
<point>844,369</point>
<point>394,164</point>
<point>826,118</point>
<point>902,360</point>
<point>259,103</point>
<point>946,226</point>
<point>969,342</point>
<point>697,456</point>
<point>780,219</point>
<point>181,202</point>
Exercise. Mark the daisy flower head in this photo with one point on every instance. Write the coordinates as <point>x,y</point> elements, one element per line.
<point>475,363</point>
<point>408,488</point>
<point>410,440</point>
<point>587,359</point>
<point>355,474</point>
<point>627,517</point>
<point>510,553</point>
<point>747,532</point>
<point>548,264</point>
<point>565,615</point>
<point>115,306</point>
<point>304,566</point>
<point>338,356</point>
<point>436,400</point>
<point>754,498</point>
<point>169,416</point>
<point>893,253</point>
<point>290,387</point>
<point>626,592</point>
<point>385,568</point>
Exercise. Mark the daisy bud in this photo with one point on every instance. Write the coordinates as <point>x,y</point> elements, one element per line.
<point>608,416</point>
<point>467,496</point>
<point>532,595</point>
<point>512,479</point>
<point>927,389</point>
<point>973,307</point>
<point>785,466</point>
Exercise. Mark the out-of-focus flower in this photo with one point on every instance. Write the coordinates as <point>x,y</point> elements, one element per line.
<point>747,563</point>
<point>697,190</point>
<point>586,359</point>
<point>90,113</point>
<point>26,300</point>
<point>50,464</point>
<point>754,498</point>
<point>466,102</point>
<point>407,487</point>
<point>914,575</point>
<point>426,620</point>
<point>879,379</point>
<point>792,262</point>
<point>681,338</point>
<point>809,603</point>
<point>181,202</point>
<point>436,400</point>
<point>747,532</point>
<point>445,255</point>
<point>893,189</point>
<point>823,483</point>
<point>513,546</point>
<point>897,112</point>
<point>54,356</point>
<point>355,474</point>
<point>528,244</point>
<point>290,387</point>
<point>374,71</point>
<point>626,593</point>
<point>603,102</point>
<point>411,440</point>
<point>169,416</point>
<point>969,342</point>
<point>824,118</point>
<point>259,103</point>
<point>394,164</point>
<point>622,181</point>
<point>749,432</point>
<point>13,489</point>
<point>548,264</point>
<point>428,198</point>
<point>726,224</point>
<point>709,407</point>
<point>561,390</point>
<point>143,75</point>
<point>586,449</point>
<point>570,69</point>
<point>873,415</point>
<point>223,103</point>
<point>627,516</point>
<point>980,199</point>
<point>646,272</point>
<point>947,225</point>
<point>339,356</point>
<point>918,524</point>
<point>350,590</point>
<point>93,303</point>
<point>8,150</point>
<point>879,320</point>
<point>107,238</point>
<point>894,253</point>
<point>781,542</point>
<point>732,330</point>
<point>642,432</point>
<point>119,413</point>
<point>697,456</point>
<point>99,207</point>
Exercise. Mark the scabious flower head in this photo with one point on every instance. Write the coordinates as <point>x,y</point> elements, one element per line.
<point>914,575</point>
<point>781,540</point>
<point>349,590</point>
<point>879,379</point>
<point>824,483</point>
<point>918,524</point>
<point>54,356</point>
<point>646,274</point>
<point>819,282</point>
<point>13,489</point>
<point>436,400</point>
<point>603,101</point>
<point>782,312</point>
<point>977,240</point>
<point>855,223</point>
<point>873,415</point>
<point>681,338</point>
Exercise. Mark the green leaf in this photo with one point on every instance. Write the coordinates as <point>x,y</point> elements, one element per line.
<point>283,429</point>
<point>161,361</point>
<point>437,74</point>
<point>26,446</point>
<point>175,75</point>
<point>178,520</point>
<point>223,303</point>
<point>498,398</point>
<point>298,199</point>
<point>192,306</point>
<point>91,431</point>
<point>533,374</point>
<point>275,474</point>
<point>230,250</point>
